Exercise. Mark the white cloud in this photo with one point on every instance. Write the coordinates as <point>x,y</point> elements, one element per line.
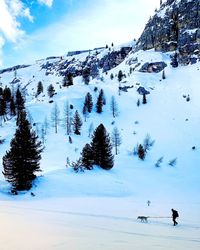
<point>46,2</point>
<point>10,29</point>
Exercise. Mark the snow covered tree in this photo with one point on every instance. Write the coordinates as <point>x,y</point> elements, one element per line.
<point>102,148</point>
<point>114,107</point>
<point>55,113</point>
<point>116,139</point>
<point>39,88</point>
<point>67,118</point>
<point>50,90</point>
<point>87,157</point>
<point>68,80</point>
<point>111,76</point>
<point>21,162</point>
<point>138,102</point>
<point>77,123</point>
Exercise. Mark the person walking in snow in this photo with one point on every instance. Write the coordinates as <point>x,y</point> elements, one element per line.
<point>174,216</point>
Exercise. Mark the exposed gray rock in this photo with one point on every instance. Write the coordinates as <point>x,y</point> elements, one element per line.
<point>143,91</point>
<point>176,26</point>
<point>154,67</point>
<point>13,68</point>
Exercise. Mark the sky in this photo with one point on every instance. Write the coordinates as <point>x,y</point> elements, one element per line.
<point>35,29</point>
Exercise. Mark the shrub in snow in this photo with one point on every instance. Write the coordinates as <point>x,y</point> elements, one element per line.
<point>138,102</point>
<point>78,166</point>
<point>148,143</point>
<point>159,161</point>
<point>173,162</point>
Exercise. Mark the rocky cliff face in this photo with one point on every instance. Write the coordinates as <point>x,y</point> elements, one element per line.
<point>175,27</point>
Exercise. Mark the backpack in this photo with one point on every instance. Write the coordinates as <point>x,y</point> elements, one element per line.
<point>176,213</point>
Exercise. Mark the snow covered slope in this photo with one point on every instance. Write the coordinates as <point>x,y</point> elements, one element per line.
<point>80,210</point>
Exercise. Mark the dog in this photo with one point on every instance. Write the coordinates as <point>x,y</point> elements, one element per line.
<point>143,218</point>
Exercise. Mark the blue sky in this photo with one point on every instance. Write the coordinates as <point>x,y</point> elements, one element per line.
<point>34,29</point>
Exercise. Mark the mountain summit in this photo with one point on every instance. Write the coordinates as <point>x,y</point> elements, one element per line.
<point>174,27</point>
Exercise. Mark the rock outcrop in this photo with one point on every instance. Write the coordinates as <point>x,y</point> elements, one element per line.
<point>174,27</point>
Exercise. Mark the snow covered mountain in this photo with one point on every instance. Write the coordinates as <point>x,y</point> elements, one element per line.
<point>105,204</point>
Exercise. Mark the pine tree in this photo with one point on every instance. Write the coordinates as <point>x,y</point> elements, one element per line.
<point>102,148</point>
<point>50,90</point>
<point>141,152</point>
<point>111,76</point>
<point>40,88</point>
<point>174,60</point>
<point>12,107</point>
<point>7,94</point>
<point>120,76</point>
<point>100,102</point>
<point>77,123</point>
<point>19,101</point>
<point>86,75</point>
<point>68,80</point>
<point>21,162</point>
<point>87,157</point>
<point>2,110</point>
<point>88,103</point>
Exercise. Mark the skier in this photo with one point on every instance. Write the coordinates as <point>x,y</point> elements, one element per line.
<point>174,216</point>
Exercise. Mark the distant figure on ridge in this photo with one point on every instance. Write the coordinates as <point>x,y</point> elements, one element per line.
<point>174,216</point>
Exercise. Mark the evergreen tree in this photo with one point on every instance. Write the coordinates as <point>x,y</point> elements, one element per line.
<point>86,75</point>
<point>50,90</point>
<point>12,107</point>
<point>102,148</point>
<point>2,111</point>
<point>99,104</point>
<point>68,80</point>
<point>77,123</point>
<point>7,94</point>
<point>141,152</point>
<point>174,60</point>
<point>39,88</point>
<point>87,157</point>
<point>120,76</point>
<point>19,101</point>
<point>111,76</point>
<point>88,102</point>
<point>21,162</point>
